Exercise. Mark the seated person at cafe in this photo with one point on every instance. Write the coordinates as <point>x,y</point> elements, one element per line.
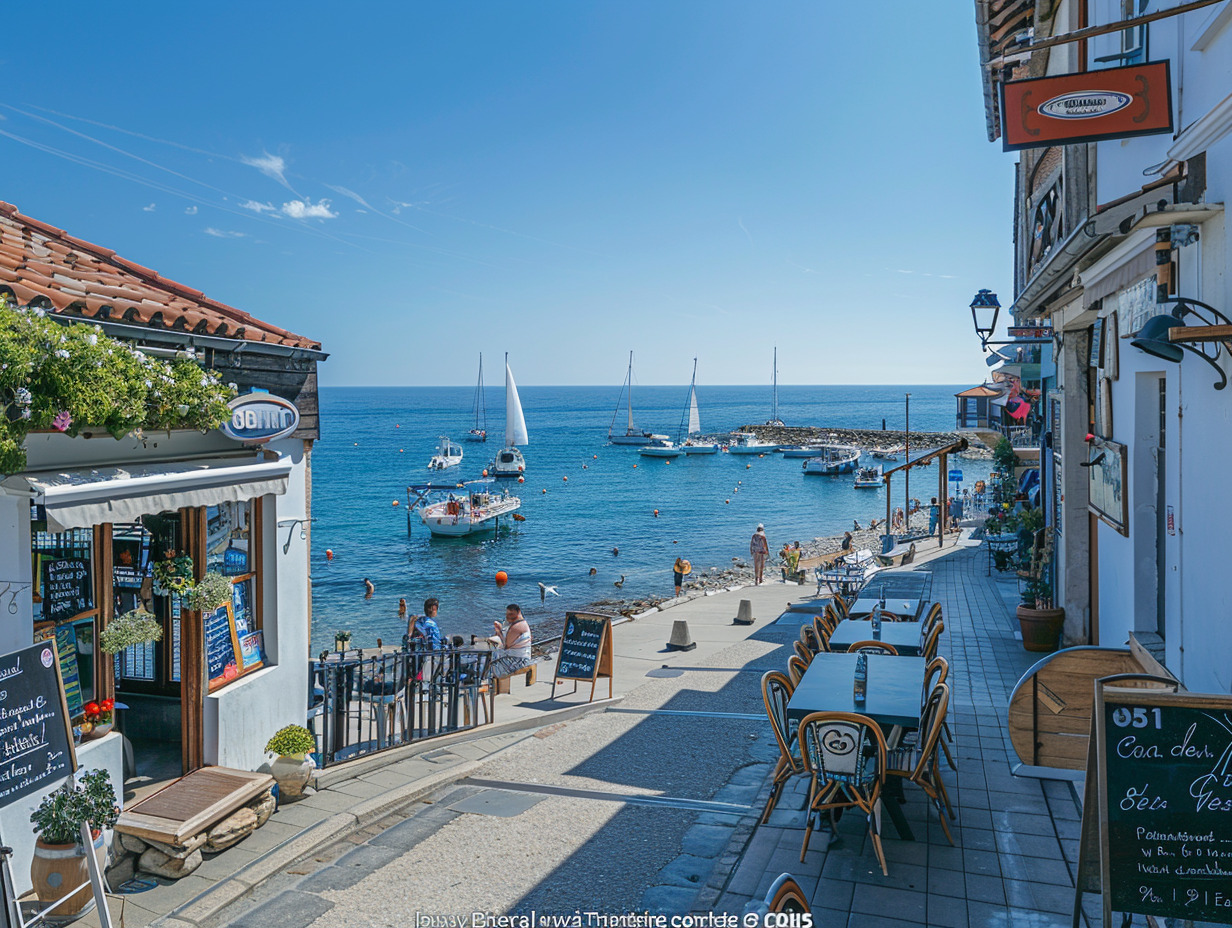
<point>513,641</point>
<point>425,626</point>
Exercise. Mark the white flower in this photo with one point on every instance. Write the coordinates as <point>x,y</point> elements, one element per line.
<point>92,340</point>
<point>149,384</point>
<point>62,353</point>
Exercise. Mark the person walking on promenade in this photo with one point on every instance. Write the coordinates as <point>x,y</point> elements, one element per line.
<point>956,512</point>
<point>759,549</point>
<point>900,520</point>
<point>514,640</point>
<point>680,569</point>
<point>934,515</point>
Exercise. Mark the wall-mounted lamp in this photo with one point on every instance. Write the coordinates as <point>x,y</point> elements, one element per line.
<point>1098,459</point>
<point>1166,336</point>
<point>985,307</point>
<point>303,531</point>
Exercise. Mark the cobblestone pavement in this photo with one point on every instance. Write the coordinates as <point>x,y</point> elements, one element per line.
<point>653,805</point>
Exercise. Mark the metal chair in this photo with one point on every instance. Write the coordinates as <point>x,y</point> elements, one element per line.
<point>936,672</point>
<point>845,754</point>
<point>803,652</point>
<point>929,650</point>
<point>822,631</point>
<point>918,762</point>
<point>796,666</point>
<point>786,895</point>
<point>776,690</point>
<point>872,647</point>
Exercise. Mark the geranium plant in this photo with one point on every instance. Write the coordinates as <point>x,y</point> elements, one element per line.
<point>129,629</point>
<point>208,593</point>
<point>71,377</point>
<point>291,740</point>
<point>99,713</point>
<point>91,799</point>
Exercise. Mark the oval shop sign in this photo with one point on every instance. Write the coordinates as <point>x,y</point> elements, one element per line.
<point>1087,104</point>
<point>260,417</point>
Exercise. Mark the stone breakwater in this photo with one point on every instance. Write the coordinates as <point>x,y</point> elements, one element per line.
<point>868,439</point>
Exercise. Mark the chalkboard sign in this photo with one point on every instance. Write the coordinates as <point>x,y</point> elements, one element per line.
<point>1165,803</point>
<point>221,647</point>
<point>585,650</point>
<point>36,741</point>
<point>66,587</point>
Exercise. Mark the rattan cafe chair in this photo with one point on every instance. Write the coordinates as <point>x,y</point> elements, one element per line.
<point>796,666</point>
<point>845,754</point>
<point>822,631</point>
<point>929,650</point>
<point>937,671</point>
<point>918,762</point>
<point>802,652</point>
<point>872,647</point>
<point>808,638</point>
<point>776,690</point>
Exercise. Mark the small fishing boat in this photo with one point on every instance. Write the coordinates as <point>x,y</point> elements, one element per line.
<point>748,443</point>
<point>800,451</point>
<point>632,436</point>
<point>887,454</point>
<point>509,461</point>
<point>661,448</point>
<point>869,478</point>
<point>833,459</point>
<point>693,428</point>
<point>463,509</point>
<point>479,409</point>
<point>447,454</point>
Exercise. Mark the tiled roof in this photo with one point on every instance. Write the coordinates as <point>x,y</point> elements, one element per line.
<point>44,266</point>
<point>979,391</point>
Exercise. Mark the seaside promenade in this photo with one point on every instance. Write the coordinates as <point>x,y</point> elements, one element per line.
<point>650,801</point>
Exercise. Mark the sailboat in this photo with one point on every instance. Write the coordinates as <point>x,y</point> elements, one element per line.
<point>509,461</point>
<point>774,405</point>
<point>480,410</point>
<point>631,435</point>
<point>694,427</point>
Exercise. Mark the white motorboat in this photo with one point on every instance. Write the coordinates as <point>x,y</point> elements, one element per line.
<point>479,409</point>
<point>869,478</point>
<point>631,435</point>
<point>509,461</point>
<point>448,454</point>
<point>800,451</point>
<point>464,509</point>
<point>748,443</point>
<point>693,428</point>
<point>661,448</point>
<point>887,454</point>
<point>833,459</point>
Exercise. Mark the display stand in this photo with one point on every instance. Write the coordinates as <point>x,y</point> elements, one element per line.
<point>585,651</point>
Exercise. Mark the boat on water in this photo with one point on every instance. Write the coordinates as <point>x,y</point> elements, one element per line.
<point>748,443</point>
<point>631,435</point>
<point>462,509</point>
<point>509,461</point>
<point>800,451</point>
<point>887,454</point>
<point>448,454</point>
<point>774,396</point>
<point>693,426</point>
<point>661,448</point>
<point>869,478</point>
<point>479,409</point>
<point>833,460</point>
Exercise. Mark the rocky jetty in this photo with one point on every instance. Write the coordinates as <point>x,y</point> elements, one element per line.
<point>868,439</point>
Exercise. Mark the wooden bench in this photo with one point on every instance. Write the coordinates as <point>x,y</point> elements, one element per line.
<point>502,683</point>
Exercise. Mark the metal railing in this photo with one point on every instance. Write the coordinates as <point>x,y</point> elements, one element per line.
<point>362,705</point>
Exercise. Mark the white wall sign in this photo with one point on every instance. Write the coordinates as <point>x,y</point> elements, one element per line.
<point>260,417</point>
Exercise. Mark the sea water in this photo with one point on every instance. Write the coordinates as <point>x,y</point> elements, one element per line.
<point>375,442</point>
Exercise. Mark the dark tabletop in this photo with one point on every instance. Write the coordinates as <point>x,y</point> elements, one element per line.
<point>905,636</point>
<point>907,608</point>
<point>899,584</point>
<point>892,694</point>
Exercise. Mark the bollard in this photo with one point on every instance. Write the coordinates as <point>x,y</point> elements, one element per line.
<point>744,615</point>
<point>681,640</point>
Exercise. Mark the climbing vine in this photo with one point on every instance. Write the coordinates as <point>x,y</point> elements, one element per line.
<point>74,377</point>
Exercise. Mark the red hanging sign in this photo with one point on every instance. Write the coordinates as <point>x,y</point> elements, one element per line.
<point>1114,103</point>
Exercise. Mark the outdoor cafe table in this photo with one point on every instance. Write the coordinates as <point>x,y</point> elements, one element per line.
<point>899,584</point>
<point>901,607</point>
<point>892,697</point>
<point>905,636</point>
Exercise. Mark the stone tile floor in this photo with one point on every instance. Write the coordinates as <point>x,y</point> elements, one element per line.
<point>1015,839</point>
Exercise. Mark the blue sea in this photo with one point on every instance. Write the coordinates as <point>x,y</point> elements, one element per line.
<point>377,441</point>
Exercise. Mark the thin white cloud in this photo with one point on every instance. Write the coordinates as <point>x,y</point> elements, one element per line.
<point>223,233</point>
<point>306,209</point>
<point>272,166</point>
<point>190,211</point>
<point>352,194</point>
<point>748,234</point>
<point>150,208</point>
<point>259,207</point>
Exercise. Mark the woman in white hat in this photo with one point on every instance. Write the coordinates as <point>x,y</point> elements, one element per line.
<point>681,568</point>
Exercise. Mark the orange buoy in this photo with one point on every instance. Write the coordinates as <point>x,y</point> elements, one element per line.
<point>520,479</point>
<point>400,451</point>
<point>761,455</point>
<point>747,466</point>
<point>329,554</point>
<point>545,489</point>
<point>565,479</point>
<point>397,426</point>
<point>518,517</point>
<point>485,473</point>
<point>594,457</point>
<point>656,513</point>
<point>501,578</point>
<point>635,467</point>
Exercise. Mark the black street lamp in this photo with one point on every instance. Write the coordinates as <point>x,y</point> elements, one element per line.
<point>984,310</point>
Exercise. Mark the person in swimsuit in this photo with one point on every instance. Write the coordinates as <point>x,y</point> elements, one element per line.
<point>759,550</point>
<point>514,641</point>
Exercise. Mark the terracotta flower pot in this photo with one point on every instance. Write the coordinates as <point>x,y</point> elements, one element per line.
<point>1041,628</point>
<point>57,868</point>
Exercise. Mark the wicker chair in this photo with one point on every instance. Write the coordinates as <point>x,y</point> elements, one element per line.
<point>918,762</point>
<point>822,631</point>
<point>796,666</point>
<point>929,650</point>
<point>776,689</point>
<point>872,647</point>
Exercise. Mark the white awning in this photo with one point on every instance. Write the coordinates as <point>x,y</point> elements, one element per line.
<point>82,498</point>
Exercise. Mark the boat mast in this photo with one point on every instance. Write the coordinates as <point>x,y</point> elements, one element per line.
<point>481,409</point>
<point>629,382</point>
<point>774,405</point>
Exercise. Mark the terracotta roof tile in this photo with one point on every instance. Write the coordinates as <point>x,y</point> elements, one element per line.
<point>39,262</point>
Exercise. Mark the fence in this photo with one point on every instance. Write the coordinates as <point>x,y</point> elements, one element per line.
<point>362,705</point>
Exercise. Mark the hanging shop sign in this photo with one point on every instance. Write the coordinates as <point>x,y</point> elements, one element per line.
<point>1113,103</point>
<point>260,417</point>
<point>1029,331</point>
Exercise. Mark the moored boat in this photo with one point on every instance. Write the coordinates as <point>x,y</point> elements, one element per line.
<point>448,454</point>
<point>464,509</point>
<point>748,443</point>
<point>832,460</point>
<point>509,461</point>
<point>480,410</point>
<point>661,448</point>
<point>631,436</point>
<point>692,444</point>
<point>800,451</point>
<point>869,478</point>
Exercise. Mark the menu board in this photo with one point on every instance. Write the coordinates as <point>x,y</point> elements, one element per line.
<point>1166,797</point>
<point>221,647</point>
<point>36,742</point>
<point>585,650</point>
<point>66,587</point>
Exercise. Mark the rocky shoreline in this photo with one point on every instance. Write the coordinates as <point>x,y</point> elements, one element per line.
<point>868,439</point>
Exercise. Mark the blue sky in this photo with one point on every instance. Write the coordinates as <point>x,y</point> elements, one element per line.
<point>413,183</point>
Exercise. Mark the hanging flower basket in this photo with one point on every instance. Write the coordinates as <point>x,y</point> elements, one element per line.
<point>208,593</point>
<point>129,629</point>
<point>173,576</point>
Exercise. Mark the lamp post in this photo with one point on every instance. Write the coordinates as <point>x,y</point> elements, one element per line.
<point>984,311</point>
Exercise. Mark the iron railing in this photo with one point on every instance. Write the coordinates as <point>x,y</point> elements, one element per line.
<point>361,705</point>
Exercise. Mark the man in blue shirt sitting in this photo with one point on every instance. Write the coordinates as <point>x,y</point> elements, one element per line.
<point>425,626</point>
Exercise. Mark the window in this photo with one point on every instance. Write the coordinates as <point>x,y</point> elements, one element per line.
<point>1133,39</point>
<point>62,595</point>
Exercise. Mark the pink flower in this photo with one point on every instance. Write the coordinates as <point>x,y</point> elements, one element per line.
<point>62,420</point>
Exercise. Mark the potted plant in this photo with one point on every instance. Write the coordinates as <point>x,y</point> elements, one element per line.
<point>208,593</point>
<point>59,859</point>
<point>173,574</point>
<point>342,640</point>
<point>131,628</point>
<point>100,716</point>
<point>293,766</point>
<point>1038,620</point>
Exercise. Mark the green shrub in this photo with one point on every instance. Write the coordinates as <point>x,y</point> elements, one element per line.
<point>208,593</point>
<point>294,739</point>
<point>129,629</point>
<point>92,799</point>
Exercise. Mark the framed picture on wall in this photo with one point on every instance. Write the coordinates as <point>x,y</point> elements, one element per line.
<point>1097,341</point>
<point>1102,406</point>
<point>1112,343</point>
<point>1108,476</point>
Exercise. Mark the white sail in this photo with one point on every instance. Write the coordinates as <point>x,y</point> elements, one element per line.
<point>515,422</point>
<point>695,420</point>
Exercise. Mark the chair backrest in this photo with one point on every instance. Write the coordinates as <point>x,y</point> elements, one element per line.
<point>934,613</point>
<point>936,672</point>
<point>929,651</point>
<point>786,895</point>
<point>796,666</point>
<point>803,653</point>
<point>776,689</point>
<point>822,631</point>
<point>893,617</point>
<point>841,606</point>
<point>932,718</point>
<point>830,617</point>
<point>843,747</point>
<point>808,638</point>
<point>872,647</point>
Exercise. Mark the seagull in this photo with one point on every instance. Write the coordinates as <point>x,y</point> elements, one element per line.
<point>619,583</point>
<point>544,590</point>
